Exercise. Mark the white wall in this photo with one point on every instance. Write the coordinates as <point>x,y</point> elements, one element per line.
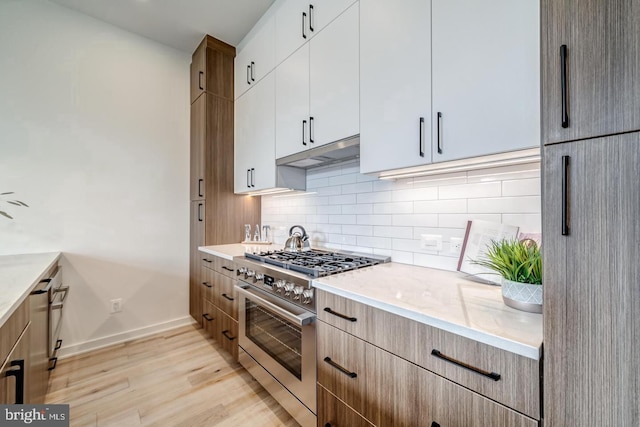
<point>347,210</point>
<point>94,136</point>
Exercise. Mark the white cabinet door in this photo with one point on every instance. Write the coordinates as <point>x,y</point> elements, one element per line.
<point>292,27</point>
<point>334,80</point>
<point>395,84</point>
<point>292,104</point>
<point>256,59</point>
<point>322,12</point>
<point>255,166</point>
<point>486,77</point>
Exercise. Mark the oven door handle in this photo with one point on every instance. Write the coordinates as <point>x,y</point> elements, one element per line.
<point>300,320</point>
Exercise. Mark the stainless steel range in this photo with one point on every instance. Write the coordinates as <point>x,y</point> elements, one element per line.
<point>277,321</point>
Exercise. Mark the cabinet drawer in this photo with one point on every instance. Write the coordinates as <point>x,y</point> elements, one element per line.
<point>207,260</point>
<point>210,319</point>
<point>227,296</point>
<point>208,285</point>
<point>224,266</point>
<point>335,413</point>
<point>518,386</point>
<point>341,365</point>
<point>227,335</point>
<point>12,328</point>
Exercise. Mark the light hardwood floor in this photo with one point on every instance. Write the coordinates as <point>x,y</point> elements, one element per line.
<point>176,378</point>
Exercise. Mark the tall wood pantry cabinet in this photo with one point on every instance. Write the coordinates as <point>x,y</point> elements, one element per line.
<point>591,202</point>
<point>217,214</point>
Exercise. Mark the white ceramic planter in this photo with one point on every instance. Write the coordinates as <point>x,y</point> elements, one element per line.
<point>522,296</point>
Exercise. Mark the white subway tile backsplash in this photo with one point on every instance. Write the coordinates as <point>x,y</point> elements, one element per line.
<point>345,210</point>
<point>441,206</point>
<point>396,232</point>
<point>469,191</point>
<point>393,208</point>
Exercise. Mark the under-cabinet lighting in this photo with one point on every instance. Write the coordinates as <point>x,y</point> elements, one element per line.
<point>296,194</point>
<point>495,160</point>
<point>271,191</point>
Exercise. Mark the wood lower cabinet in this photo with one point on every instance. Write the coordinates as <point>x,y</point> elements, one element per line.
<point>210,319</point>
<point>196,239</point>
<point>332,412</point>
<point>14,374</point>
<point>227,335</point>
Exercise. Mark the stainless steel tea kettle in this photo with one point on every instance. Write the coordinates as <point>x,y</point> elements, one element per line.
<point>297,242</point>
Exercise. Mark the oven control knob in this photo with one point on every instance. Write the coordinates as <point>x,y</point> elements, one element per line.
<point>297,291</point>
<point>249,273</point>
<point>241,270</point>
<point>307,296</point>
<point>288,287</point>
<point>258,278</point>
<point>280,285</point>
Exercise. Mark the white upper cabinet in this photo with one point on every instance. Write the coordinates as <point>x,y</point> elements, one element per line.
<point>297,21</point>
<point>292,104</point>
<point>334,80</point>
<point>395,83</point>
<point>255,166</point>
<point>486,77</point>
<point>256,59</point>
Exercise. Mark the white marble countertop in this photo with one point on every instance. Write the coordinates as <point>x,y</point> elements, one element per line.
<point>18,276</point>
<point>234,250</point>
<point>443,299</point>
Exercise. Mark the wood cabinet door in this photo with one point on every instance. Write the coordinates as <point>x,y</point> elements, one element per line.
<point>198,147</point>
<point>196,239</point>
<point>292,104</point>
<point>591,276</point>
<point>228,334</point>
<point>486,77</point>
<point>210,319</point>
<point>334,80</point>
<point>395,84</point>
<point>601,65</point>
<point>198,71</point>
<point>332,412</point>
<point>16,370</point>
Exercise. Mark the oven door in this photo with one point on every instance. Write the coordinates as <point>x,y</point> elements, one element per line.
<point>281,337</point>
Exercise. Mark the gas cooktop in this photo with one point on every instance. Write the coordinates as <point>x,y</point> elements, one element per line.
<point>317,263</point>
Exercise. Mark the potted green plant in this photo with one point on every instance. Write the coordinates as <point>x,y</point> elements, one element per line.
<point>519,263</point>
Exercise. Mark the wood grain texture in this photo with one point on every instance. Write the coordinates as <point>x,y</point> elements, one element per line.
<point>198,148</point>
<point>209,287</point>
<point>19,351</point>
<point>211,320</point>
<point>335,413</point>
<point>177,378</point>
<point>227,298</point>
<point>603,67</point>
<point>198,65</point>
<point>214,59</point>
<point>196,239</point>
<point>591,370</point>
<point>227,334</point>
<point>518,387</point>
<point>12,328</point>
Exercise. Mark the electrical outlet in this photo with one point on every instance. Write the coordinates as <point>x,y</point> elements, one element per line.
<point>456,245</point>
<point>116,305</point>
<point>431,241</point>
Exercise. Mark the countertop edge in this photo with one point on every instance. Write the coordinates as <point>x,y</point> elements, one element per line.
<point>473,334</point>
<point>210,251</point>
<point>7,314</point>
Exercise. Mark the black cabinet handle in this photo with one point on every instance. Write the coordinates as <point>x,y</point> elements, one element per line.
<point>248,178</point>
<point>248,72</point>
<point>45,289</point>
<point>565,195</point>
<point>227,336</point>
<point>251,66</point>
<point>17,371</point>
<point>340,368</point>
<point>335,313</point>
<point>563,81</point>
<point>311,18</point>
<point>207,260</point>
<point>439,132</point>
<point>435,424</point>
<point>200,182</point>
<point>327,425</point>
<point>492,375</point>
<point>200,212</point>
<point>200,74</point>
<point>55,363</point>
<point>304,18</point>
<point>253,177</point>
<point>207,284</point>
<point>207,317</point>
<point>304,138</point>
<point>58,345</point>
<point>421,147</point>
<point>228,297</point>
<point>311,130</point>
<point>227,268</point>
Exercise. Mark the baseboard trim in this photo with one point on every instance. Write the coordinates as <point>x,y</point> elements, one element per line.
<point>99,343</point>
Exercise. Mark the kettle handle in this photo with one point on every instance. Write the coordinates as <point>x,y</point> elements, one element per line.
<point>304,232</point>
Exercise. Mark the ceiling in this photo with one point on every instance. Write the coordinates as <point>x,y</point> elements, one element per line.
<point>179,24</point>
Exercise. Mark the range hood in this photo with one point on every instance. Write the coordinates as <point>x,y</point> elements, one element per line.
<point>328,154</point>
